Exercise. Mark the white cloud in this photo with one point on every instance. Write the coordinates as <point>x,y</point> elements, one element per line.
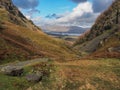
<point>82,16</point>
<point>77,12</point>
<point>28,17</point>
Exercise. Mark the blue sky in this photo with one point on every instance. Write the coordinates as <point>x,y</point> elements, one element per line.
<point>62,12</point>
<point>55,6</point>
<point>47,7</point>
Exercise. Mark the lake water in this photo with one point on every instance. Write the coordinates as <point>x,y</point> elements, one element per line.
<point>62,34</point>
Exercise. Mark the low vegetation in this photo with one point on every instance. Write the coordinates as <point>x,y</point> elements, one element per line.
<point>84,75</point>
<point>20,82</point>
<point>102,74</point>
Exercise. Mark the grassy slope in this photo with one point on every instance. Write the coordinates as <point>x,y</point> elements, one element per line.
<point>19,42</point>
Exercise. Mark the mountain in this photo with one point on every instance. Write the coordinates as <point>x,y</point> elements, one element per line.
<point>20,39</point>
<point>76,29</point>
<point>103,39</point>
<point>54,28</point>
<point>64,29</point>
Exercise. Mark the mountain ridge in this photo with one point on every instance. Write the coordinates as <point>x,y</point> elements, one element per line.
<point>106,30</point>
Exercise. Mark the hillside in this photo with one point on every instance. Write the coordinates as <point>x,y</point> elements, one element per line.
<point>20,39</point>
<point>104,37</point>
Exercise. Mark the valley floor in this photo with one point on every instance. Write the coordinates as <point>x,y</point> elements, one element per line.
<point>102,74</point>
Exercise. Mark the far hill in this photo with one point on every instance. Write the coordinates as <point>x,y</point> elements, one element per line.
<point>64,29</point>
<point>20,39</point>
<point>77,30</point>
<point>103,39</point>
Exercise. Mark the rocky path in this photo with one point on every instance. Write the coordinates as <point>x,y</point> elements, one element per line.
<point>25,63</point>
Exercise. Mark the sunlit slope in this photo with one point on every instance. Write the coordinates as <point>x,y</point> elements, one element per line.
<point>21,39</point>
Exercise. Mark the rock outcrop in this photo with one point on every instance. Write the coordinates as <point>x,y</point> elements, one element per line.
<point>12,70</point>
<point>103,35</point>
<point>34,77</point>
<point>15,16</point>
<point>114,49</point>
<point>106,21</point>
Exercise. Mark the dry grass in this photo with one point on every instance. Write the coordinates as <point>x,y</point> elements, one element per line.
<point>103,74</point>
<point>20,39</point>
<point>33,43</point>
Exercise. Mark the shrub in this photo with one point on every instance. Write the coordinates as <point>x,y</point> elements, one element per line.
<point>0,26</point>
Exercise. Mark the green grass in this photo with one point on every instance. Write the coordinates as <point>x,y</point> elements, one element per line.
<point>13,83</point>
<point>20,83</point>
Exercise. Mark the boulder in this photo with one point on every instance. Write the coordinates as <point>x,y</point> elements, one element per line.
<point>114,49</point>
<point>12,70</point>
<point>34,77</point>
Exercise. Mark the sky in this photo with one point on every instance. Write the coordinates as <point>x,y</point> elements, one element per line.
<point>81,13</point>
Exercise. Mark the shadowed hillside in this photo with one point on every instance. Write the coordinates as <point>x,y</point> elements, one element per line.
<point>104,36</point>
<point>20,39</point>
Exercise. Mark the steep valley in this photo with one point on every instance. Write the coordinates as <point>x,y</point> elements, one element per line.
<point>32,60</point>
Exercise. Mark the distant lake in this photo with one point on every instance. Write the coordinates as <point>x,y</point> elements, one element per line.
<point>62,34</point>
